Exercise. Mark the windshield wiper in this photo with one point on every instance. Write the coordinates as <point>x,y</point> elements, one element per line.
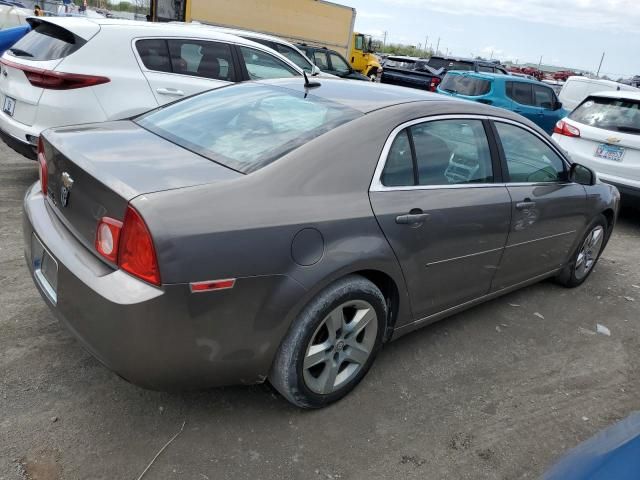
<point>623,128</point>
<point>20,53</point>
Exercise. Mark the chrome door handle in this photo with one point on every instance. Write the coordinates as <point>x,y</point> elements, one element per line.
<point>412,218</point>
<point>170,91</point>
<point>526,204</point>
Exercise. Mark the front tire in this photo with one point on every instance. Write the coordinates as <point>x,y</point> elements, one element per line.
<point>332,344</point>
<point>586,255</point>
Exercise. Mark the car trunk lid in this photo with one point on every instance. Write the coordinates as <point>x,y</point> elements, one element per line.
<point>95,170</point>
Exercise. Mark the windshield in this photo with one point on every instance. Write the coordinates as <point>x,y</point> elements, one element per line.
<point>399,63</point>
<point>47,42</point>
<point>619,115</point>
<point>465,85</point>
<point>246,126</point>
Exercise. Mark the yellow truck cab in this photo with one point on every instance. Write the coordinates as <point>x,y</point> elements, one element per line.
<point>362,58</point>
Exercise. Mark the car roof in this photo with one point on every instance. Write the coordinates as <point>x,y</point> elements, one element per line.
<point>369,96</point>
<point>491,75</point>
<point>244,33</point>
<point>622,94</point>
<point>468,60</point>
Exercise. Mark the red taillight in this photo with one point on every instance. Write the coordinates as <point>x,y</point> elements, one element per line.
<point>563,128</point>
<point>433,86</point>
<point>42,166</point>
<point>108,237</point>
<point>136,253</point>
<point>51,80</point>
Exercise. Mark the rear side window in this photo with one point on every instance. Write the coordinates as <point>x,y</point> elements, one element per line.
<point>443,152</point>
<point>438,63</point>
<point>616,114</point>
<point>520,92</point>
<point>261,65</point>
<point>338,63</point>
<point>47,42</point>
<point>465,85</point>
<point>154,54</point>
<point>202,59</point>
<point>246,126</point>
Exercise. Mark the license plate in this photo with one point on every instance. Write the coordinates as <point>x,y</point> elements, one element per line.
<point>610,152</point>
<point>9,106</point>
<point>45,268</point>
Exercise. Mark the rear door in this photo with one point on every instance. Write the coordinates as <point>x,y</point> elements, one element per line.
<point>177,68</point>
<point>545,99</point>
<point>41,49</point>
<point>437,197</point>
<point>548,211</point>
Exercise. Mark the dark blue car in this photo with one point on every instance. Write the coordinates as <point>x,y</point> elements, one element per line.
<point>530,98</point>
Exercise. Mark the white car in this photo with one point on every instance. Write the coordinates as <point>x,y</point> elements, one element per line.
<point>603,133</point>
<point>69,71</point>
<point>577,88</point>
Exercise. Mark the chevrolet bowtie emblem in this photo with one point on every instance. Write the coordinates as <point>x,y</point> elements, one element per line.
<point>67,181</point>
<point>613,140</point>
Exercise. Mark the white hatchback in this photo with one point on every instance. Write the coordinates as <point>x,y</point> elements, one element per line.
<point>70,71</point>
<point>603,133</point>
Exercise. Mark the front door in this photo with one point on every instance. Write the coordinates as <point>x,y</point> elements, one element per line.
<point>548,211</point>
<point>443,215</point>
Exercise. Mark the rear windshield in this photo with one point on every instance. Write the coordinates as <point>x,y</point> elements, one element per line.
<point>47,42</point>
<point>399,63</point>
<point>246,126</point>
<point>465,85</point>
<point>619,115</point>
<point>438,63</point>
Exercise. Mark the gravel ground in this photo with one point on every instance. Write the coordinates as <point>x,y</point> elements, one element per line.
<point>500,391</point>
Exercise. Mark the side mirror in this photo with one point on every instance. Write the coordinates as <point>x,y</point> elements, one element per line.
<point>315,70</point>
<point>558,106</point>
<point>582,175</point>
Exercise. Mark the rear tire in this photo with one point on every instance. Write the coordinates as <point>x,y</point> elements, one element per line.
<point>584,259</point>
<point>332,344</point>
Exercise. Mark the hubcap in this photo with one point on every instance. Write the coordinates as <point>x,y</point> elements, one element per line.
<point>588,253</point>
<point>340,346</point>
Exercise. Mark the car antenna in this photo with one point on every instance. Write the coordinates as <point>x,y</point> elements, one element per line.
<point>309,84</point>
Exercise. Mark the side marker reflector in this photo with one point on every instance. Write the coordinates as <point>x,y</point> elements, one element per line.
<point>210,285</point>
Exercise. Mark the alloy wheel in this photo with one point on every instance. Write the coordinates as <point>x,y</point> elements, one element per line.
<point>340,346</point>
<point>588,253</point>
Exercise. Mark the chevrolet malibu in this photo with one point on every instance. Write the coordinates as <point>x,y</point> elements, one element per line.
<point>284,231</point>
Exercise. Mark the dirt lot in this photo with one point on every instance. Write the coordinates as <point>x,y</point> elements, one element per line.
<point>497,392</point>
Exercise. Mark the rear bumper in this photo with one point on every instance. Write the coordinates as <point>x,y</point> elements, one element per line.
<point>22,147</point>
<point>161,338</point>
<point>630,194</point>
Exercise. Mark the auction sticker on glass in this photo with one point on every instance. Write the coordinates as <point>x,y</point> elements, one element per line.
<point>45,268</point>
<point>9,106</point>
<point>610,152</point>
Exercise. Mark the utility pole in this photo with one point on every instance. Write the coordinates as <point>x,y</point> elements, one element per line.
<point>438,46</point>
<point>491,57</point>
<point>426,42</point>
<point>600,66</point>
<point>384,42</point>
<point>540,62</point>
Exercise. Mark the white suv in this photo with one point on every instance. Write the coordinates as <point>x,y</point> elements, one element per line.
<point>603,133</point>
<point>69,71</point>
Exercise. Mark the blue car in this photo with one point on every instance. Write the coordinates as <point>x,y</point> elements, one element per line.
<point>9,36</point>
<point>530,98</point>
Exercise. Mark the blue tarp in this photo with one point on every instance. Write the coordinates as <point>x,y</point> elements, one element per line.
<point>9,36</point>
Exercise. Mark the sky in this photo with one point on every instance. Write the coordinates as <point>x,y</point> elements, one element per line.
<point>570,33</point>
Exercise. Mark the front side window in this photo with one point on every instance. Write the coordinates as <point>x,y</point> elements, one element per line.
<point>246,126</point>
<point>359,42</point>
<point>615,114</point>
<point>338,63</point>
<point>202,59</point>
<point>442,152</point>
<point>520,92</point>
<point>295,56</point>
<point>543,97</point>
<point>528,158</point>
<point>261,65</point>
